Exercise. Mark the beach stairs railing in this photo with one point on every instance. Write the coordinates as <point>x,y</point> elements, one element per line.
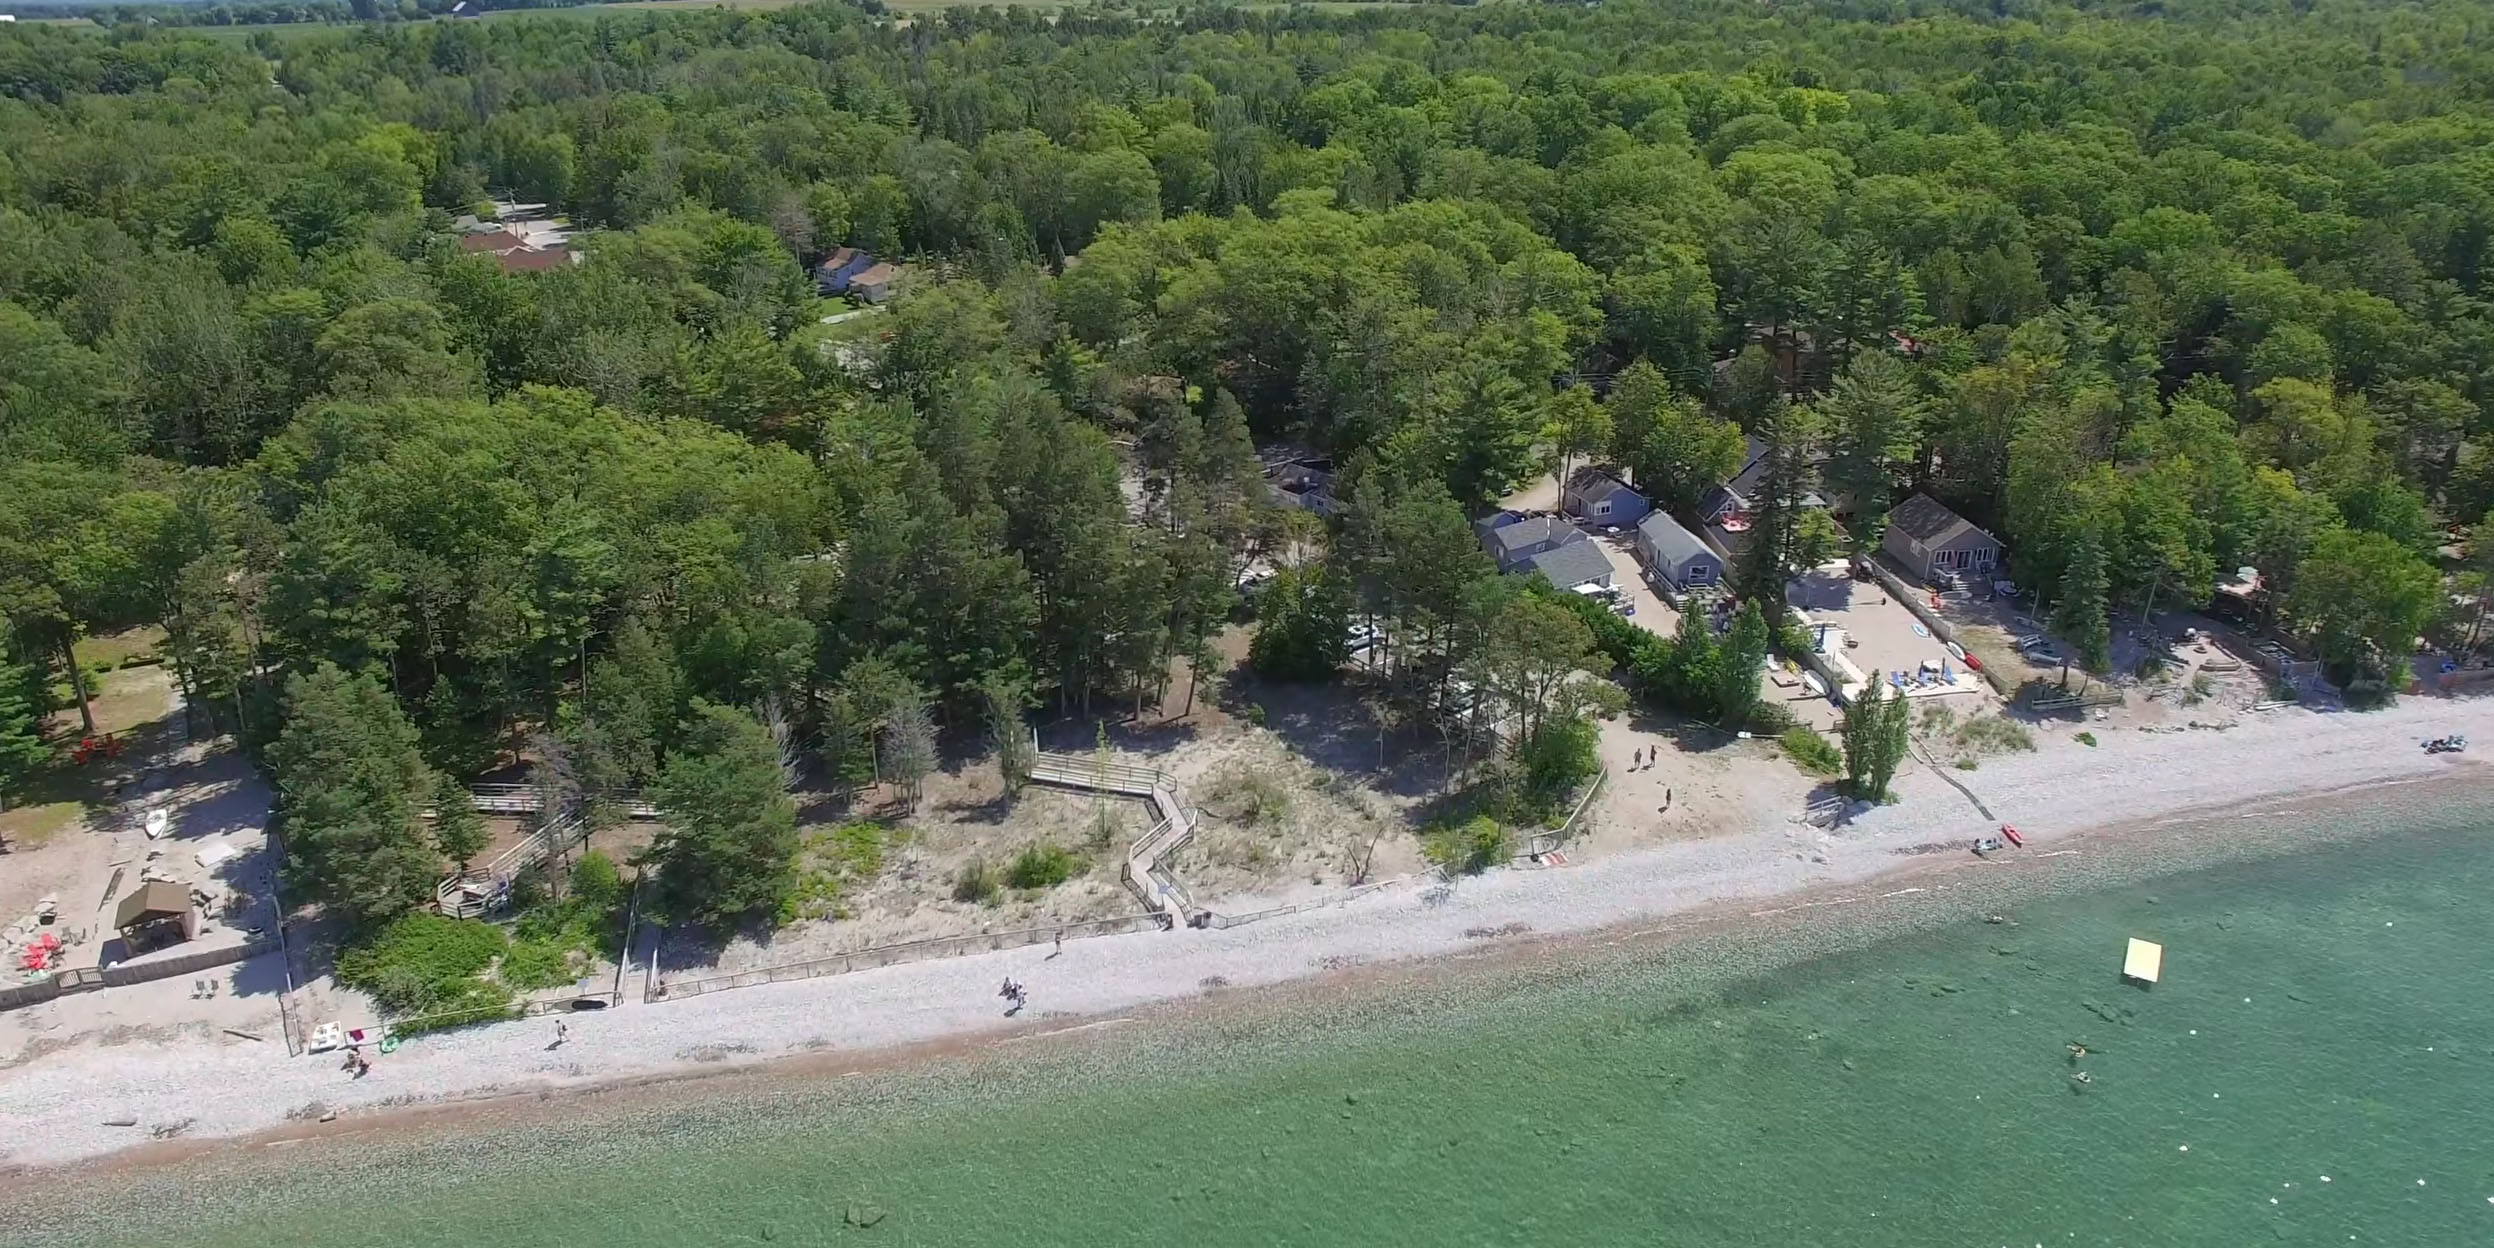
<point>527,799</point>
<point>480,891</point>
<point>1145,869</point>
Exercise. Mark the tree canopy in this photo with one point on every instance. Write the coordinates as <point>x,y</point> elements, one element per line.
<point>2154,295</point>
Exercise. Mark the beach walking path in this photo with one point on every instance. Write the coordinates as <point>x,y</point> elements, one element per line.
<point>87,1095</point>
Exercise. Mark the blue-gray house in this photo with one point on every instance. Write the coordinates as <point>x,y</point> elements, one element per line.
<point>1675,556</point>
<point>1596,496</point>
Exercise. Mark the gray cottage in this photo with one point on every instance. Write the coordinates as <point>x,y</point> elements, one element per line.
<point>1596,496</point>
<point>1726,512</point>
<point>1306,483</point>
<point>1675,556</point>
<point>1933,542</point>
<point>1511,539</point>
<point>1571,566</point>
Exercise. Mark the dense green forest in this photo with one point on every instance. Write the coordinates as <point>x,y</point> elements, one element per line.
<point>2152,290</point>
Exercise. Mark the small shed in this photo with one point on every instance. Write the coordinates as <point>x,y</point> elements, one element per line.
<point>1675,555</point>
<point>1597,496</point>
<point>1934,542</point>
<point>158,907</point>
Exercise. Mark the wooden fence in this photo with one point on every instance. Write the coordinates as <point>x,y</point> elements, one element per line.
<point>1353,893</point>
<point>1918,601</point>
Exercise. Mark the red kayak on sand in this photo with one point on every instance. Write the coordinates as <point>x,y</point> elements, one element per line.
<point>2012,834</point>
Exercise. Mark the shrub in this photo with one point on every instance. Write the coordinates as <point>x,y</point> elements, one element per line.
<point>597,882</point>
<point>2086,738</point>
<point>975,883</point>
<point>1553,761</point>
<point>1811,751</point>
<point>588,920</point>
<point>1994,734</point>
<point>1471,847</point>
<point>1042,866</point>
<point>428,964</point>
<point>857,849</point>
<point>1247,794</point>
<point>534,964</point>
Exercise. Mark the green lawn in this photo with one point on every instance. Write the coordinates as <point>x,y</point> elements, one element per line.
<point>120,648</point>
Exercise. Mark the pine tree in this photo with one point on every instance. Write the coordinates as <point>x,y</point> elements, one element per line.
<point>1006,695</point>
<point>353,786</point>
<point>908,745</point>
<point>22,747</point>
<point>459,832</point>
<point>1874,420</point>
<point>1775,550</point>
<point>1737,666</point>
<point>729,847</point>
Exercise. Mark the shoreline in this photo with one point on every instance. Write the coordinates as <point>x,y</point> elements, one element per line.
<point>908,1016</point>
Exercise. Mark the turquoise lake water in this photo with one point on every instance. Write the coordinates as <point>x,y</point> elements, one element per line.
<point>2327,1012</point>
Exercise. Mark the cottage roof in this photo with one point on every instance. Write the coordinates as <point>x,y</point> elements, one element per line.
<point>1595,481</point>
<point>873,275</point>
<point>1747,488</point>
<point>1673,544</point>
<point>1506,540</point>
<point>1925,520</point>
<point>535,259</point>
<point>495,240</point>
<point>1571,565</point>
<point>839,256</point>
<point>156,899</point>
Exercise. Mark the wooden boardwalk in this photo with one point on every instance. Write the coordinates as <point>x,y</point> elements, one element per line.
<point>1173,824</point>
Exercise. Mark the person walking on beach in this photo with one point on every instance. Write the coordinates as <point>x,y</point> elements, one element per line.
<point>562,1032</point>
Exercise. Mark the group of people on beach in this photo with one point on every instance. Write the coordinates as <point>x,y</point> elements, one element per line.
<point>1643,758</point>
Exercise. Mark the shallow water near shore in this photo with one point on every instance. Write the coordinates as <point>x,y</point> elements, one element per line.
<point>2325,1012</point>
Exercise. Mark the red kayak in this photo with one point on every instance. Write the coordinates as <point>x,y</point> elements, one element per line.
<point>2012,834</point>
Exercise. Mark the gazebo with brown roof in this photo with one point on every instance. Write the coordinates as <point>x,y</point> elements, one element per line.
<point>157,901</point>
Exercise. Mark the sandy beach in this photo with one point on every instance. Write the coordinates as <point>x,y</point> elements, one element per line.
<point>84,1100</point>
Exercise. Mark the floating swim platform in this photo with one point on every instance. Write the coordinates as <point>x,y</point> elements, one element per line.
<point>2144,962</point>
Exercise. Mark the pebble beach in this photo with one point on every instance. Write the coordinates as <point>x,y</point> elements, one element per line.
<point>88,1100</point>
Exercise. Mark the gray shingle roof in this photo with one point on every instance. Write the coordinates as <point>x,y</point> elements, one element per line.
<point>1569,566</point>
<point>1507,540</point>
<point>1595,482</point>
<point>1925,520</point>
<point>1672,542</point>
